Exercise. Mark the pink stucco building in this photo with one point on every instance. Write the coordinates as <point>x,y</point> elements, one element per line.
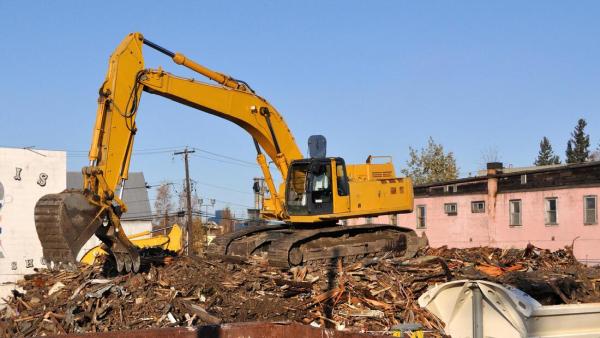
<point>549,207</point>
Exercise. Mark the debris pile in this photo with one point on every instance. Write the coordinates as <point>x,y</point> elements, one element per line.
<point>369,295</point>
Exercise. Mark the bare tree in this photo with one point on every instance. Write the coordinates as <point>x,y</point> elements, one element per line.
<point>595,155</point>
<point>163,206</point>
<point>490,154</point>
<point>182,205</point>
<point>227,221</point>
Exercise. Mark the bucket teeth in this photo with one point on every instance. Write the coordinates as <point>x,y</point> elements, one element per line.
<point>126,262</point>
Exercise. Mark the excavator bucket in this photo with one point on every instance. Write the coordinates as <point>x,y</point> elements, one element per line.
<point>64,223</point>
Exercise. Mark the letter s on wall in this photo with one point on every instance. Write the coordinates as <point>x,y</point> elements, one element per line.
<point>42,180</point>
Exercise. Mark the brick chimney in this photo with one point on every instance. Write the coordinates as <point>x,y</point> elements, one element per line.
<point>493,168</point>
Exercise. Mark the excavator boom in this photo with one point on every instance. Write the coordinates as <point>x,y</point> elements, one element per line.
<point>318,191</point>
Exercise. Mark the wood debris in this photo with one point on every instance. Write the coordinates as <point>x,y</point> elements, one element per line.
<point>367,295</point>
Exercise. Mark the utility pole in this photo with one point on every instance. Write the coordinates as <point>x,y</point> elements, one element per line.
<point>188,193</point>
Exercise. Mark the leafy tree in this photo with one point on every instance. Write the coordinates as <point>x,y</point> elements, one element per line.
<point>546,155</point>
<point>430,164</point>
<point>579,144</point>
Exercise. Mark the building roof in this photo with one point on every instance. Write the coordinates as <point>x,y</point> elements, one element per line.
<point>531,178</point>
<point>507,172</point>
<point>135,194</point>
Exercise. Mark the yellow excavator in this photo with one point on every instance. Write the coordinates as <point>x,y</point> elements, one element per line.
<point>143,240</point>
<point>317,194</point>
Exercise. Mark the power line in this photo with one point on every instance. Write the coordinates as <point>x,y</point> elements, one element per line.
<point>225,156</point>
<point>150,217</point>
<point>169,149</point>
<point>149,186</point>
<point>134,153</point>
<point>208,184</point>
<point>164,150</point>
<point>222,187</point>
<point>227,159</point>
<point>241,205</point>
<point>241,164</point>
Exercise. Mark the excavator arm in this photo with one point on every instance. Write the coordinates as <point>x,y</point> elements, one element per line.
<point>231,99</point>
<point>65,221</point>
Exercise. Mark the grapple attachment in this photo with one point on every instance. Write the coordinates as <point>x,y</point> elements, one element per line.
<point>66,221</point>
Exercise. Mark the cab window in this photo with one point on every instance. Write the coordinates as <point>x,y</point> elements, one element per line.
<point>321,183</point>
<point>297,186</point>
<point>342,179</point>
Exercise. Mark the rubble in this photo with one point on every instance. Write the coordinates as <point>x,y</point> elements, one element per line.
<point>367,295</point>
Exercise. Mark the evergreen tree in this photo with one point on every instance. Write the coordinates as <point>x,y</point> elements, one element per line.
<point>546,155</point>
<point>579,144</point>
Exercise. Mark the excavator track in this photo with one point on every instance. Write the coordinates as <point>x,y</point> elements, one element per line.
<point>286,246</point>
<point>244,242</point>
<point>329,244</point>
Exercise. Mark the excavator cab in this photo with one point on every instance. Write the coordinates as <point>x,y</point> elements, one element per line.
<point>314,185</point>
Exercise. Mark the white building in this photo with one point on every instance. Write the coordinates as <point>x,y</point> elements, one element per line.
<point>28,174</point>
<point>25,176</point>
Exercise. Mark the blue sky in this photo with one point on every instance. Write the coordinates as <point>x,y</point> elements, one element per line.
<point>374,77</point>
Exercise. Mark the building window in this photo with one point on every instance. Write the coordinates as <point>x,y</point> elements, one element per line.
<point>421,213</point>
<point>515,212</point>
<point>551,211</point>
<point>369,220</point>
<point>590,209</point>
<point>524,179</point>
<point>478,207</point>
<point>451,188</point>
<point>451,209</point>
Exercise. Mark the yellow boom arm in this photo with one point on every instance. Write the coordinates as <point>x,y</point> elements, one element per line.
<point>230,99</point>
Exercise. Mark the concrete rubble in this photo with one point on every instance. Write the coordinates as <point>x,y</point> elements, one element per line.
<point>374,295</point>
